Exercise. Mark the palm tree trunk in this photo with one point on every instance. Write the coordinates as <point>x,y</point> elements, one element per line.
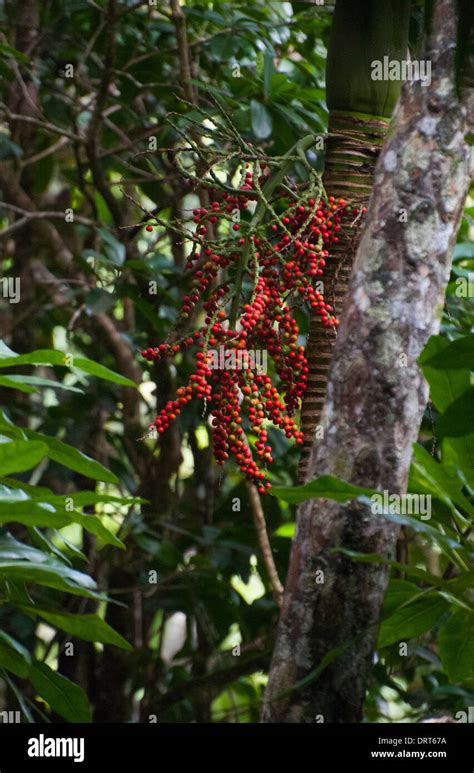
<point>363,31</point>
<point>353,147</point>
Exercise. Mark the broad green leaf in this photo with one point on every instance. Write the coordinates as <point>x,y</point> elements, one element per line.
<point>13,495</point>
<point>51,574</point>
<point>398,593</point>
<point>20,455</point>
<point>11,383</point>
<point>42,542</point>
<point>445,385</point>
<point>457,355</point>
<point>458,419</point>
<point>13,656</point>
<point>456,646</point>
<point>78,498</point>
<point>63,696</point>
<point>421,527</point>
<point>13,662</point>
<point>94,525</point>
<point>32,514</point>
<point>52,357</point>
<point>428,475</point>
<point>85,498</point>
<point>459,452</point>
<point>28,383</point>
<point>73,459</point>
<point>60,452</point>
<point>458,585</point>
<point>87,627</point>
<point>12,549</point>
<point>412,619</point>
<point>326,487</point>
<point>463,250</point>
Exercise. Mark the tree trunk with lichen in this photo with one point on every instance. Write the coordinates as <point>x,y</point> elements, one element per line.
<point>360,109</point>
<point>373,409</point>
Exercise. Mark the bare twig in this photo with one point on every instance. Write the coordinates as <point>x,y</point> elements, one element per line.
<point>264,542</point>
<point>37,122</point>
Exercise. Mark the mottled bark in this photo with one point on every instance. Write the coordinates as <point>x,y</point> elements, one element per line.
<point>374,407</point>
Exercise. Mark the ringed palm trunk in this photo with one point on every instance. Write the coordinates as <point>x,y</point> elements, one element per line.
<point>360,108</point>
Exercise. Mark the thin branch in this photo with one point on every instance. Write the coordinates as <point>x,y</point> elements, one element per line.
<point>39,215</point>
<point>36,121</point>
<point>183,49</point>
<point>52,149</point>
<point>264,542</point>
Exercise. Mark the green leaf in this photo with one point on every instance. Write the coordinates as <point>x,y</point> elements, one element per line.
<point>327,487</point>
<point>418,526</point>
<point>21,383</point>
<point>261,120</point>
<point>31,513</point>
<point>12,549</point>
<point>445,385</point>
<point>98,300</point>
<point>428,475</point>
<point>8,51</point>
<point>459,584</point>
<point>398,593</point>
<point>52,357</point>
<point>463,250</point>
<point>94,369</point>
<point>73,459</point>
<point>458,419</point>
<point>87,627</point>
<point>57,450</point>
<point>20,455</point>
<point>64,697</point>
<point>84,498</point>
<point>13,656</point>
<point>13,662</point>
<point>412,619</point>
<point>458,354</point>
<point>94,525</point>
<point>114,250</point>
<point>268,70</point>
<point>10,383</point>
<point>50,573</point>
<point>20,491</point>
<point>459,452</point>
<point>286,530</point>
<point>456,646</point>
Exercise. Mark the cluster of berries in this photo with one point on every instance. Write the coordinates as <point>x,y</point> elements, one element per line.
<point>281,265</point>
